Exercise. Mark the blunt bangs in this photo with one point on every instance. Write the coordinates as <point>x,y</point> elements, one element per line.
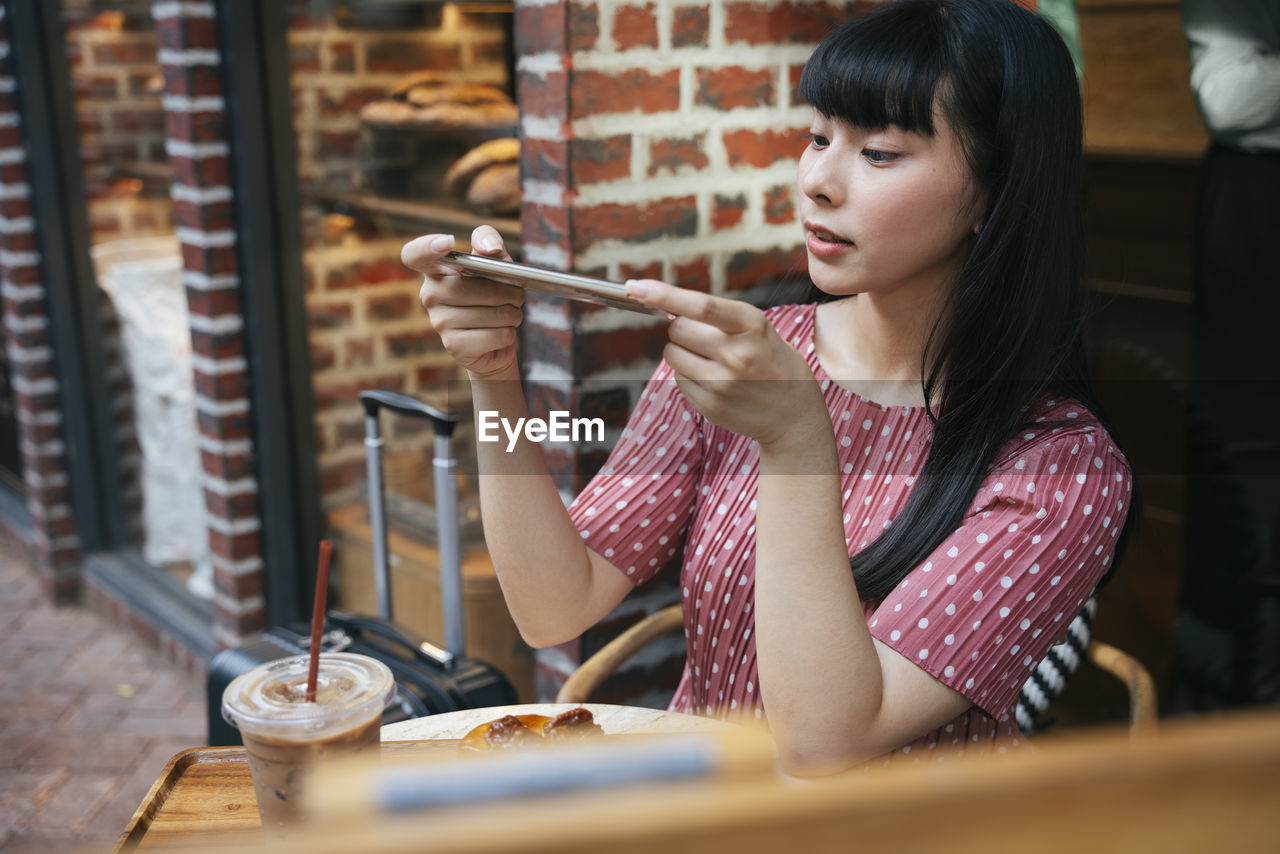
<point>880,70</point>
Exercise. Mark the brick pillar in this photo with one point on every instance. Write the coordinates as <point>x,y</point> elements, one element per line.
<point>53,537</point>
<point>196,130</point>
<point>660,139</point>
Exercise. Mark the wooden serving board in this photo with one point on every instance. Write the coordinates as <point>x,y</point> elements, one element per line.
<point>205,796</point>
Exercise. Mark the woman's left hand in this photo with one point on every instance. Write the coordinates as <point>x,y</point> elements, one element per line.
<point>734,368</point>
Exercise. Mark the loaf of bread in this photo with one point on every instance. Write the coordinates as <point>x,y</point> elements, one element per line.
<point>475,161</point>
<point>496,190</point>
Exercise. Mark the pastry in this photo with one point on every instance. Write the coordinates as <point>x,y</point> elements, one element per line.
<point>496,189</point>
<point>475,161</point>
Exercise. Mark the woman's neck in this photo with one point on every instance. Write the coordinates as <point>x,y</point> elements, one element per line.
<point>874,345</point>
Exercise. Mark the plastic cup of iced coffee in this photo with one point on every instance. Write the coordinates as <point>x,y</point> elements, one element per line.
<point>285,735</point>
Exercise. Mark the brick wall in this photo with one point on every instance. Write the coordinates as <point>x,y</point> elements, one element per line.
<point>660,139</point>
<point>53,539</point>
<point>195,125</point>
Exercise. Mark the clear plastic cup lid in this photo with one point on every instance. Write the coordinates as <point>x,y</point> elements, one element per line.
<point>271,698</point>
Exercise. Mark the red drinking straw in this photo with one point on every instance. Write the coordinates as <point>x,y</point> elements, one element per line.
<point>317,618</point>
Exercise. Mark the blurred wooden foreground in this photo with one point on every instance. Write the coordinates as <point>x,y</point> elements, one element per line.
<point>1203,785</point>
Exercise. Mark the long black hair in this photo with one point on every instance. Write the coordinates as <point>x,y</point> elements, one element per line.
<point>1011,327</point>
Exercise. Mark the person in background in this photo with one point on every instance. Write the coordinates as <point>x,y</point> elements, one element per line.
<point>887,504</point>
<point>1228,633</point>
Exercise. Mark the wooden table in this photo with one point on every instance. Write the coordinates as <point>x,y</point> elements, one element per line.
<point>205,795</point>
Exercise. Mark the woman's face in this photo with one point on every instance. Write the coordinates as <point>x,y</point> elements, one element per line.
<point>885,210</point>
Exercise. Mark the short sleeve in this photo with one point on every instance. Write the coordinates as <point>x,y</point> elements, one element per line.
<point>986,606</point>
<point>636,511</point>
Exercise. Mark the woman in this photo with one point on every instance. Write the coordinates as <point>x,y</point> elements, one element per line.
<point>928,424</point>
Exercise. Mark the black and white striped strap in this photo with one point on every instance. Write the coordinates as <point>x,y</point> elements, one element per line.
<point>1050,676</point>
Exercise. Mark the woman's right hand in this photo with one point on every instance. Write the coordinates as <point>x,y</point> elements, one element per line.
<point>475,318</point>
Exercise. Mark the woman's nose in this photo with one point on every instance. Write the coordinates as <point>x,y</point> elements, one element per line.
<point>814,180</point>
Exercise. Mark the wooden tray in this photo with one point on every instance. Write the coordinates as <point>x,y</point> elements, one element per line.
<point>205,796</point>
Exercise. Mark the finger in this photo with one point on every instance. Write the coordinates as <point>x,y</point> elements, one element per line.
<point>422,253</point>
<point>697,337</point>
<point>470,344</point>
<point>691,365</point>
<point>462,318</point>
<point>726,315</point>
<point>460,291</point>
<point>486,240</point>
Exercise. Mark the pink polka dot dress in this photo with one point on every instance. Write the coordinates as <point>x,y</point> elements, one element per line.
<point>978,615</point>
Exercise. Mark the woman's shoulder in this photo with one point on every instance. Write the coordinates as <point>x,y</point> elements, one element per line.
<point>1060,438</point>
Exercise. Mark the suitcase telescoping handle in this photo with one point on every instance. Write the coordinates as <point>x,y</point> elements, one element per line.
<point>445,468</point>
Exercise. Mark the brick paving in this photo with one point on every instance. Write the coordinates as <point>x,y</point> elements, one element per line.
<point>88,718</point>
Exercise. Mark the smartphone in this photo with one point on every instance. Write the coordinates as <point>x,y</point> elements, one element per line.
<point>552,282</point>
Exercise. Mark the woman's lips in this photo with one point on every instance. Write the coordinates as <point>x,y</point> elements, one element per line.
<point>824,244</point>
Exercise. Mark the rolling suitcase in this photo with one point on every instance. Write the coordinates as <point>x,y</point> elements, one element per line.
<point>429,679</point>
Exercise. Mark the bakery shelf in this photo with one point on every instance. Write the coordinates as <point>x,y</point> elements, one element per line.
<point>414,215</point>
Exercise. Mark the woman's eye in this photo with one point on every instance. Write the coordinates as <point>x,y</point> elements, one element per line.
<point>877,156</point>
<point>817,140</point>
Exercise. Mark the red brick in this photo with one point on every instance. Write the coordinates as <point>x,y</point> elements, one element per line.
<point>763,148</point>
<point>677,155</point>
<point>434,376</point>
<point>403,57</point>
<point>611,404</point>
<point>543,95</point>
<point>545,225</point>
<point>635,223</point>
<point>620,348</point>
<point>789,22</point>
<point>793,80</point>
<point>227,428</point>
<point>342,57</point>
<point>211,216</point>
<point>200,126</point>
<point>596,92</point>
<point>540,29</point>
<point>235,547</point>
<point>652,270</point>
<point>751,269</point>
<point>727,211</point>
<point>210,260</point>
<point>347,101</point>
<point>242,505</point>
<point>385,270</point>
<point>194,81</point>
<point>215,303</point>
<point>596,160</point>
<point>553,346</point>
<point>229,467</point>
<point>336,144</point>
<point>323,357</point>
<point>584,27</point>
<point>205,172</point>
<point>735,86</point>
<point>334,394</point>
<point>690,26</point>
<point>779,206</point>
<point>238,586</point>
<point>328,315</point>
<point>123,53</point>
<point>304,57</point>
<point>545,160</point>
<point>335,477</point>
<point>358,352</point>
<point>393,307</point>
<point>233,385</point>
<point>182,32</point>
<point>635,26</point>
